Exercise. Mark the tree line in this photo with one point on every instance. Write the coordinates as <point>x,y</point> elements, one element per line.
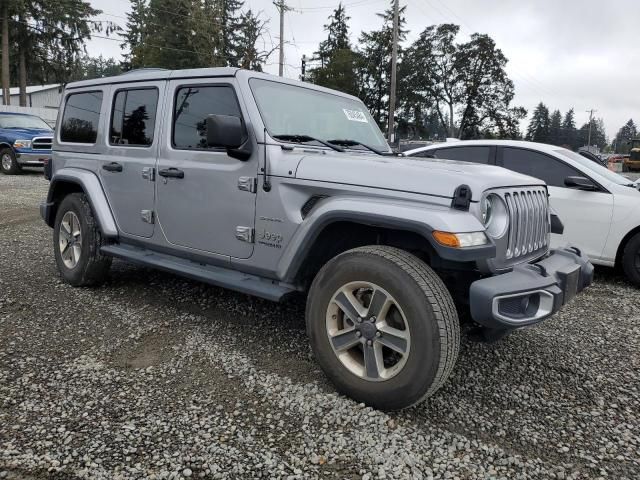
<point>42,40</point>
<point>179,34</point>
<point>445,87</point>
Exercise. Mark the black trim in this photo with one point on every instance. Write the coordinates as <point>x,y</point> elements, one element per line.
<point>461,198</point>
<point>447,253</point>
<point>556,224</point>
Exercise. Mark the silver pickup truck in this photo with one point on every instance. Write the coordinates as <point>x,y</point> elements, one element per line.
<point>274,187</point>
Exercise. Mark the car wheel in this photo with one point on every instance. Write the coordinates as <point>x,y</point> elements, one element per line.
<point>76,242</point>
<point>8,163</point>
<point>631,259</point>
<point>382,326</point>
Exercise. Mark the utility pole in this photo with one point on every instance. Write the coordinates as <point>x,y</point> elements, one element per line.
<point>303,68</point>
<point>282,8</point>
<point>591,112</point>
<point>394,61</point>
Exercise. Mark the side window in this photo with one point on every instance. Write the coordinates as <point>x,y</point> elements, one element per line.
<point>538,165</point>
<point>134,117</point>
<point>80,118</point>
<point>425,154</point>
<point>192,106</point>
<point>475,154</point>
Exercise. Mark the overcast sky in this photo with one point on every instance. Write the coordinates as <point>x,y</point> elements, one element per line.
<point>568,53</point>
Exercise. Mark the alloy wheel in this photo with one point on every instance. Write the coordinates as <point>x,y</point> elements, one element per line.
<point>7,161</point>
<point>70,239</point>
<point>368,331</point>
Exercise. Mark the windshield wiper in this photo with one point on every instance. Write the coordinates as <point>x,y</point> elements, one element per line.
<point>353,143</point>
<point>305,139</point>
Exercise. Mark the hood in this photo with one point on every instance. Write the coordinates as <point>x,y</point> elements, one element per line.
<point>25,133</point>
<point>427,176</point>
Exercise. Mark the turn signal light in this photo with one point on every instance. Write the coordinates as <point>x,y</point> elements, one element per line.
<point>460,240</point>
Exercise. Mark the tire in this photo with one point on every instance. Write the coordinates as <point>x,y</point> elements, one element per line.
<point>8,163</point>
<point>631,259</point>
<point>80,263</point>
<point>422,313</point>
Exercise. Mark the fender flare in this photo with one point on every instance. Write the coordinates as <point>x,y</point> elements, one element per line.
<point>90,185</point>
<point>392,214</point>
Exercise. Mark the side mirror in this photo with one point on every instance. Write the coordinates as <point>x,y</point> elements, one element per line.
<point>224,131</point>
<point>581,183</point>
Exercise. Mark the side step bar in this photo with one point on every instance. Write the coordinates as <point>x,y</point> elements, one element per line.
<point>218,276</point>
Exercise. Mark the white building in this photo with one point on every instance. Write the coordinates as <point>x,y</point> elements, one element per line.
<point>42,100</point>
<point>39,96</point>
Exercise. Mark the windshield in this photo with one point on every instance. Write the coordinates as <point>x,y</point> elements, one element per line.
<point>293,110</point>
<point>22,121</point>
<point>594,167</point>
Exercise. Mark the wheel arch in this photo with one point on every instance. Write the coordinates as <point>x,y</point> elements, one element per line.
<point>71,180</point>
<point>623,243</point>
<point>340,225</point>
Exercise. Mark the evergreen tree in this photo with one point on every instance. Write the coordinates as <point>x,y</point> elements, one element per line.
<point>168,38</point>
<point>598,134</point>
<point>338,62</point>
<point>134,36</point>
<point>337,35</point>
<point>251,30</point>
<point>626,133</point>
<point>538,130</point>
<point>375,71</point>
<point>569,134</point>
<point>229,32</point>
<point>555,128</point>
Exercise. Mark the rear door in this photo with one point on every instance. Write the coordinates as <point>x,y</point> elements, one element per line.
<point>586,215</point>
<point>127,170</point>
<point>206,199</point>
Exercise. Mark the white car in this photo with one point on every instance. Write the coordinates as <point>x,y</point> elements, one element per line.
<point>600,209</point>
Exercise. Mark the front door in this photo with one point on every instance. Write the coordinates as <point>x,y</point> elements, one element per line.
<point>126,169</point>
<point>199,203</point>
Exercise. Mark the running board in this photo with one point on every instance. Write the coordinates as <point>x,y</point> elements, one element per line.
<point>218,276</point>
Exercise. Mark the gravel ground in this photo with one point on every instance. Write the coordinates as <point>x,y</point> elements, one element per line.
<point>153,376</point>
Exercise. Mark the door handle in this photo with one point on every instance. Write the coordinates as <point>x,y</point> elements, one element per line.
<point>171,172</point>
<point>112,167</point>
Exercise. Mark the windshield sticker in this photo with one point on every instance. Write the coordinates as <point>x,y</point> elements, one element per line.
<point>355,115</point>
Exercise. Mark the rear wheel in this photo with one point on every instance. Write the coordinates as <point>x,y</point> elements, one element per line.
<point>382,326</point>
<point>631,259</point>
<point>8,163</point>
<point>76,243</point>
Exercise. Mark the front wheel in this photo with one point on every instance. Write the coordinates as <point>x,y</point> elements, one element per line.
<point>8,163</point>
<point>382,326</point>
<point>76,243</point>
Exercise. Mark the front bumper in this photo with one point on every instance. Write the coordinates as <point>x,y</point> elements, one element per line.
<point>531,292</point>
<point>33,158</point>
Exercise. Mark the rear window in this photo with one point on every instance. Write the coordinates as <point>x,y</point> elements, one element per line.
<point>81,117</point>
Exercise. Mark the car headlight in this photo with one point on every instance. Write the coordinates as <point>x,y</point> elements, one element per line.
<point>22,144</point>
<point>494,214</point>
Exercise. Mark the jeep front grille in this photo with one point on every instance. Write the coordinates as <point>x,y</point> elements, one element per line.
<point>41,143</point>
<point>528,221</point>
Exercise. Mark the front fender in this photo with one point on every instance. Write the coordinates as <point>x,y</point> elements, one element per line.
<point>90,185</point>
<point>393,214</point>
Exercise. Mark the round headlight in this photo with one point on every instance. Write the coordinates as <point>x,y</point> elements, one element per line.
<point>485,209</point>
<point>494,215</point>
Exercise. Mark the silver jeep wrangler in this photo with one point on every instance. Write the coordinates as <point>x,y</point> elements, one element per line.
<point>271,187</point>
